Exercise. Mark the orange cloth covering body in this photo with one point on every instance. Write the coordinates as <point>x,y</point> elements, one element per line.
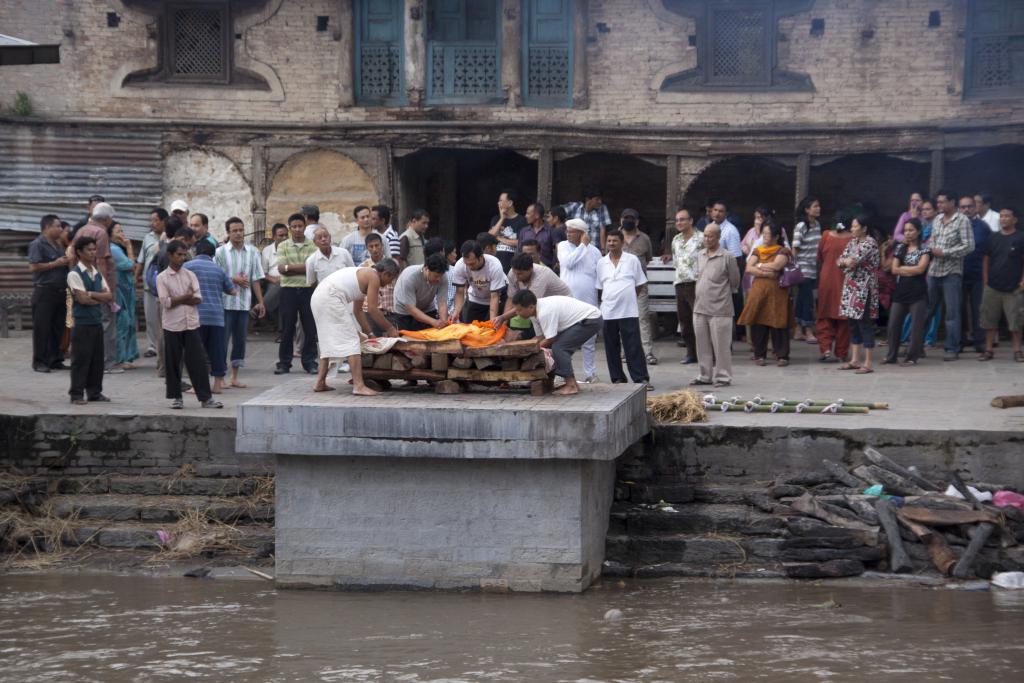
<point>476,334</point>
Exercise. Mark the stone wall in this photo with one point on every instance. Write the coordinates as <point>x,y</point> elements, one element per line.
<point>904,74</point>
<point>108,444</point>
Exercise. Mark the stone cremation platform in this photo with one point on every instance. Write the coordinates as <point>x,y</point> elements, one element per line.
<point>416,490</point>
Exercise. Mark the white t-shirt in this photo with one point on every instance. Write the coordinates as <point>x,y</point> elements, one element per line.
<point>490,278</point>
<point>992,218</point>
<point>556,314</point>
<point>318,266</point>
<point>618,286</point>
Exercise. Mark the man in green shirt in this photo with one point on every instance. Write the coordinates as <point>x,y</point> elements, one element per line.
<point>295,297</point>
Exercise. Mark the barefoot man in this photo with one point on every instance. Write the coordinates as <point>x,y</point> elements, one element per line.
<point>337,307</point>
<point>564,325</point>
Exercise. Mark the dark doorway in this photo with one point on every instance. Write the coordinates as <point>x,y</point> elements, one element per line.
<point>746,183</point>
<point>880,184</point>
<point>460,187</point>
<point>993,171</point>
<point>625,182</point>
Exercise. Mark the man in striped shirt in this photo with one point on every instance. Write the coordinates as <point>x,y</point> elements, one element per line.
<point>380,219</point>
<point>213,281</point>
<point>243,264</point>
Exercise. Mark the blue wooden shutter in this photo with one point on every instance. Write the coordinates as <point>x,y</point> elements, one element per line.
<point>548,53</point>
<point>379,52</point>
<point>463,55</point>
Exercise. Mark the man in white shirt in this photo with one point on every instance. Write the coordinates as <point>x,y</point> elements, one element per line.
<point>482,276</point>
<point>326,259</point>
<point>620,277</point>
<point>730,241</point>
<point>311,214</point>
<point>272,288</point>
<point>983,201</point>
<point>537,278</point>
<point>563,324</point>
<point>577,263</point>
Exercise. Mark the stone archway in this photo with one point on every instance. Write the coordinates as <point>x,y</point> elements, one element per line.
<point>744,183</point>
<point>879,184</point>
<point>211,184</point>
<point>331,180</point>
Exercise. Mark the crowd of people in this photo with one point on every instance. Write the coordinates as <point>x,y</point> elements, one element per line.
<point>562,275</point>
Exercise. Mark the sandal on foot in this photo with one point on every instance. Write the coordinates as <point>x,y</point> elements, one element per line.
<point>698,383</point>
<point>863,371</point>
<point>782,362</point>
<point>759,362</point>
<point>988,355</point>
<point>848,366</point>
<point>908,363</point>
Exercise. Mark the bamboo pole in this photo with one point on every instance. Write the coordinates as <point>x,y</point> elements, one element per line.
<point>759,400</point>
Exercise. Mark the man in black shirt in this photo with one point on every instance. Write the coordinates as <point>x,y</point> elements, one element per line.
<point>1003,274</point>
<point>49,267</point>
<point>505,227</point>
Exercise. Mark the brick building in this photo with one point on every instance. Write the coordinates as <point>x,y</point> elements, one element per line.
<point>252,107</point>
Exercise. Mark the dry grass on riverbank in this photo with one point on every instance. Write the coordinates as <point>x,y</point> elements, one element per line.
<point>37,541</point>
<point>679,407</point>
<point>197,534</point>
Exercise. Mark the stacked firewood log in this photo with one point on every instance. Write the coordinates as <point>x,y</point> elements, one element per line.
<point>452,367</point>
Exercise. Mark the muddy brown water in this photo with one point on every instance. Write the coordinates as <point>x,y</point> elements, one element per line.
<point>111,629</point>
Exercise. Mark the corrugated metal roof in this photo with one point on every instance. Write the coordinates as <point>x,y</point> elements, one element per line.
<point>55,170</point>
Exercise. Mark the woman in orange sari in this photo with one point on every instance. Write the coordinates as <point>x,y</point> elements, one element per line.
<point>767,306</point>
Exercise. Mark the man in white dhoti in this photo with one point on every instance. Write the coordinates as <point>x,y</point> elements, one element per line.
<point>337,306</point>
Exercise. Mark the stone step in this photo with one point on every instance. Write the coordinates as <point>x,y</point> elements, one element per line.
<point>750,570</point>
<point>163,508</point>
<point>160,486</point>
<point>694,518</point>
<point>703,550</point>
<point>144,536</point>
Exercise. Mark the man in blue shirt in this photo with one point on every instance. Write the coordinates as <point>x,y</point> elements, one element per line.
<point>212,282</point>
<point>974,285</point>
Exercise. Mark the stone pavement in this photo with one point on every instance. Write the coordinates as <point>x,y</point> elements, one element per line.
<point>934,395</point>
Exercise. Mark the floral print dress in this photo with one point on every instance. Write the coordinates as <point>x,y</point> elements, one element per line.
<point>860,283</point>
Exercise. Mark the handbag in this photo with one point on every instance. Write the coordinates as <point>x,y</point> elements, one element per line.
<point>791,275</point>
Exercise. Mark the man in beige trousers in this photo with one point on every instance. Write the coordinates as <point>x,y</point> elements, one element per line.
<point>718,277</point>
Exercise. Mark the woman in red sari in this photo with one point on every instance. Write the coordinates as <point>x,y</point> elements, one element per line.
<point>830,327</point>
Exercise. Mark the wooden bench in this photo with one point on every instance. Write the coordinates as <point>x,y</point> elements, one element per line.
<point>660,290</point>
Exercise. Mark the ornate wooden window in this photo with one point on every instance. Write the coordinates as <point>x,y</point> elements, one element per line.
<point>995,48</point>
<point>197,42</point>
<point>379,52</point>
<point>547,53</point>
<point>463,52</point>
<point>736,45</point>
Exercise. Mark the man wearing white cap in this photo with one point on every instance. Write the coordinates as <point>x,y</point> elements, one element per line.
<point>179,208</point>
<point>577,260</point>
<point>101,218</point>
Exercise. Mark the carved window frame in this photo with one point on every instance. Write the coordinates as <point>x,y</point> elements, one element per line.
<point>170,47</point>
<point>974,40</point>
<point>700,78</point>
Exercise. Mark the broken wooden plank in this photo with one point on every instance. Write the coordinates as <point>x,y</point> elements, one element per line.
<point>891,465</point>
<point>809,506</point>
<point>1015,401</point>
<point>448,386</point>
<point>532,362</point>
<point>382,362</point>
<point>453,346</point>
<point>513,349</point>
<point>420,361</point>
<point>462,363</point>
<point>439,361</point>
<point>484,363</point>
<point>840,474</point>
<point>894,483</point>
<point>400,362</point>
<point>979,535</point>
<point>496,375</point>
<point>935,517</point>
<point>899,561</point>
<point>373,373</point>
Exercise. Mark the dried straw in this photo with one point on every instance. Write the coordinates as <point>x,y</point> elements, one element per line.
<point>37,541</point>
<point>683,406</point>
<point>196,533</point>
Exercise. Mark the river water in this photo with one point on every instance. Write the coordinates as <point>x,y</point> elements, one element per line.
<point>110,629</point>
